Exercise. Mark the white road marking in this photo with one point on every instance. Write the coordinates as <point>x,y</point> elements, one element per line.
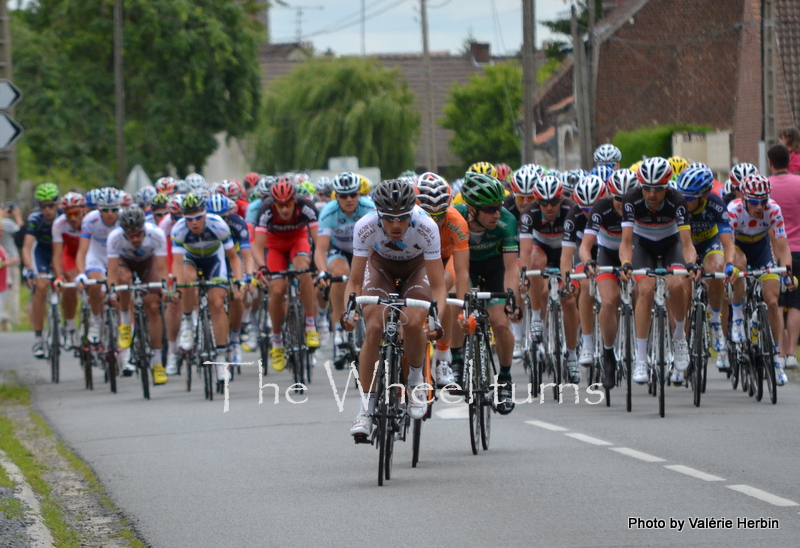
<point>587,439</point>
<point>693,472</point>
<point>637,454</point>
<point>547,426</point>
<point>453,412</point>
<point>762,495</point>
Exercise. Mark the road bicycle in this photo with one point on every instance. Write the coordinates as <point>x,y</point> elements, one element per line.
<point>533,351</point>
<point>625,340</point>
<point>479,363</point>
<point>263,325</point>
<point>555,345</point>
<point>390,420</point>
<point>699,336</point>
<point>141,346</point>
<point>349,351</point>
<point>90,355</point>
<point>298,355</point>
<point>52,340</point>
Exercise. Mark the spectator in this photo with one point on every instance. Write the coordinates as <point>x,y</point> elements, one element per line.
<point>5,263</point>
<point>786,191</point>
<point>791,138</point>
<point>11,223</point>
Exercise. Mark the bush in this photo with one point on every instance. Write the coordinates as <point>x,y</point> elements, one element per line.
<point>651,141</point>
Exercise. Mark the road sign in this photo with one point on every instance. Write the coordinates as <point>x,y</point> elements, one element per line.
<point>9,95</point>
<point>10,131</point>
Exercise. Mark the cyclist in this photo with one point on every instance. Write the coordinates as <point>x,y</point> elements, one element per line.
<point>570,180</point>
<point>334,250</point>
<point>713,241</point>
<point>492,234</point>
<point>144,198</point>
<point>37,256</point>
<point>478,167</point>
<point>587,193</point>
<point>285,222</point>
<point>138,247</point>
<point>324,186</point>
<point>678,165</point>
<point>397,243</point>
<point>200,243</point>
<point>605,229</point>
<point>608,154</point>
<point>92,258</point>
<point>66,240</point>
<point>159,208</point>
<point>540,241</point>
<point>738,174</point>
<point>755,219</point>
<point>655,225</point>
<point>173,313</point>
<point>434,196</point>
<point>261,194</point>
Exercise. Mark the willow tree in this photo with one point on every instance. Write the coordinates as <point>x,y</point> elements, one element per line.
<point>338,107</point>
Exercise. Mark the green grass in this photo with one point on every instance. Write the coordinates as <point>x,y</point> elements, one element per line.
<point>651,141</point>
<point>11,508</point>
<point>5,481</point>
<point>24,323</point>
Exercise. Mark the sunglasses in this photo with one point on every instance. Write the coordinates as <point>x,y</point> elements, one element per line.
<point>75,213</point>
<point>550,203</point>
<point>346,195</point>
<point>439,215</point>
<point>159,215</point>
<point>133,234</point>
<point>757,202</point>
<point>618,198</point>
<point>525,197</point>
<point>195,218</point>
<point>586,209</point>
<point>392,218</point>
<point>47,205</point>
<point>690,198</point>
<point>283,205</point>
<point>109,209</point>
<point>648,188</point>
<point>490,210</point>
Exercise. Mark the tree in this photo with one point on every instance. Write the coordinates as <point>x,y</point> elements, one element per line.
<point>483,115</point>
<point>338,107</point>
<point>191,71</point>
<point>552,48</point>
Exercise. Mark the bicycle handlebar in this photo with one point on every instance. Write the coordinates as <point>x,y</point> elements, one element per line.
<point>412,303</point>
<point>139,286</point>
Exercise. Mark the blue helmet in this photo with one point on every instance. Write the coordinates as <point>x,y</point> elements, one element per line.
<point>145,195</point>
<point>91,197</point>
<point>109,197</point>
<point>603,171</point>
<point>695,181</point>
<point>218,204</point>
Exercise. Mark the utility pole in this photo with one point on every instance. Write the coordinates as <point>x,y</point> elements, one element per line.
<point>426,62</point>
<point>528,79</point>
<point>768,75</point>
<point>119,94</point>
<point>581,92</point>
<point>591,70</point>
<point>8,158</point>
<point>300,10</point>
<point>363,27</point>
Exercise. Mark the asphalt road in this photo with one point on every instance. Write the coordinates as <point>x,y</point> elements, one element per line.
<point>264,474</point>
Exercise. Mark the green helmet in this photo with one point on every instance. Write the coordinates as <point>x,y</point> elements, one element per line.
<point>407,173</point>
<point>481,189</point>
<point>193,203</point>
<point>306,189</point>
<point>161,200</point>
<point>46,192</point>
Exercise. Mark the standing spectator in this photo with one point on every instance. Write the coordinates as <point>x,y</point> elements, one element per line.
<point>791,138</point>
<point>11,223</point>
<point>5,263</point>
<point>786,191</point>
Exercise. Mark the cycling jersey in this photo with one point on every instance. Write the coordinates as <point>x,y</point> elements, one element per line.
<point>41,229</point>
<point>96,231</point>
<point>421,238</point>
<point>655,226</point>
<point>605,224</point>
<point>510,203</point>
<point>305,215</point>
<point>454,233</point>
<point>252,211</point>
<point>491,243</point>
<point>212,241</point>
<point>239,232</point>
<point>149,217</point>
<point>544,233</point>
<point>64,233</point>
<point>339,227</point>
<point>749,230</point>
<point>709,220</point>
<point>574,226</point>
<point>154,244</point>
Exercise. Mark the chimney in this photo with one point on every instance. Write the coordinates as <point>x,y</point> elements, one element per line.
<point>480,52</point>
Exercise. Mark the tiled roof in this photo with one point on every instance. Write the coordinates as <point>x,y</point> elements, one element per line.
<point>545,136</point>
<point>787,30</point>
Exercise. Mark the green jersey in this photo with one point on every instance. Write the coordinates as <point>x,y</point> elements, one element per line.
<point>491,243</point>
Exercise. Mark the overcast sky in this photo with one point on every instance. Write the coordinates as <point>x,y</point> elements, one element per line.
<point>393,25</point>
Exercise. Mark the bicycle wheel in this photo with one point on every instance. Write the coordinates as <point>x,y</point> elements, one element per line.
<point>143,364</point>
<point>474,396</point>
<point>528,365</point>
<point>416,426</point>
<point>697,352</point>
<point>626,321</point>
<point>53,343</point>
<point>661,319</point>
<point>556,350</point>
<point>208,354</point>
<point>767,347</point>
<point>385,432</point>
<point>112,365</point>
<point>486,375</point>
<point>733,363</point>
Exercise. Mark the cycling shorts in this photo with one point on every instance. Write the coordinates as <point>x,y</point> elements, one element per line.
<point>553,255</point>
<point>95,262</point>
<point>381,275</point>
<point>211,267</point>
<point>759,255</point>
<point>488,275</point>
<point>68,262</point>
<point>607,257</point>
<point>334,253</point>
<point>666,253</point>
<point>42,259</point>
<point>712,246</point>
<point>281,250</point>
<point>145,270</point>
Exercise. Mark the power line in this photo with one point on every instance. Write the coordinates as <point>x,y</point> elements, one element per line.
<point>334,28</point>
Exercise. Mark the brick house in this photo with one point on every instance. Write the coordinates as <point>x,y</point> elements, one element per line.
<point>692,61</point>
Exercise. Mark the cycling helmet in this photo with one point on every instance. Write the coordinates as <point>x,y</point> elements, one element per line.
<point>91,197</point>
<point>125,200</point>
<point>503,171</point>
<point>364,185</point>
<point>195,181</point>
<point>394,196</point>
<point>46,192</point>
<point>144,197</point>
<point>603,171</point>
<point>181,187</point>
<point>346,182</point>
<point>324,185</point>
<point>433,193</point>
<point>728,187</point>
<point>231,189</point>
<point>589,190</point>
<point>251,179</point>
<point>109,198</point>
<point>300,178</point>
<point>696,164</point>
<point>755,186</point>
<point>408,174</point>
<point>678,164</point>
<point>523,180</point>
<point>740,172</point>
<point>483,167</point>
<point>263,186</point>
<point>572,178</point>
<point>160,201</point>
<point>193,203</point>
<point>167,185</point>
<point>548,188</point>
<point>695,181</point>
<point>306,189</point>
<point>556,173</point>
<point>219,204</point>
<point>72,200</point>
<point>132,219</point>
<point>175,205</point>
<point>607,153</point>
<point>655,171</point>
<point>283,191</point>
<point>482,189</point>
<point>636,165</point>
<point>621,181</point>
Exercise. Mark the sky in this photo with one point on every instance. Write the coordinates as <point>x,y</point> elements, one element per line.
<point>393,26</point>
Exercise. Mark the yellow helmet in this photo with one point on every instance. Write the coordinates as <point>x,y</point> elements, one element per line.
<point>483,167</point>
<point>635,167</point>
<point>678,164</point>
<point>365,185</point>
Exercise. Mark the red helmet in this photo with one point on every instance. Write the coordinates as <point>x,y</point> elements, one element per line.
<point>251,179</point>
<point>72,200</point>
<point>231,189</point>
<point>282,191</point>
<point>756,186</point>
<point>503,170</point>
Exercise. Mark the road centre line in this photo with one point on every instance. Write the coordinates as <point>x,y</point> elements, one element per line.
<point>587,439</point>
<point>693,472</point>
<point>762,495</point>
<point>637,454</point>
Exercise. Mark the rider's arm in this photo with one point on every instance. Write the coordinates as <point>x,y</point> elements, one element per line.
<point>113,266</point>
<point>247,260</point>
<point>525,246</point>
<point>435,270</point>
<point>566,260</point>
<point>27,250</point>
<point>689,253</point>
<point>511,277</point>
<point>160,265</point>
<point>58,248</point>
<point>782,251</point>
<point>357,268</point>
<point>588,243</point>
<point>80,258</point>
<point>626,245</point>
<point>728,248</point>
<point>235,262</point>
<point>461,268</point>
<point>259,243</point>
<point>321,252</point>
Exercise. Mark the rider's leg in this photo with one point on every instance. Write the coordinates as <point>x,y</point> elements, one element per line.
<point>537,284</point>
<point>277,310</point>
<point>38,306</point>
<point>645,288</point>
<point>609,318</point>
<point>219,320</point>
